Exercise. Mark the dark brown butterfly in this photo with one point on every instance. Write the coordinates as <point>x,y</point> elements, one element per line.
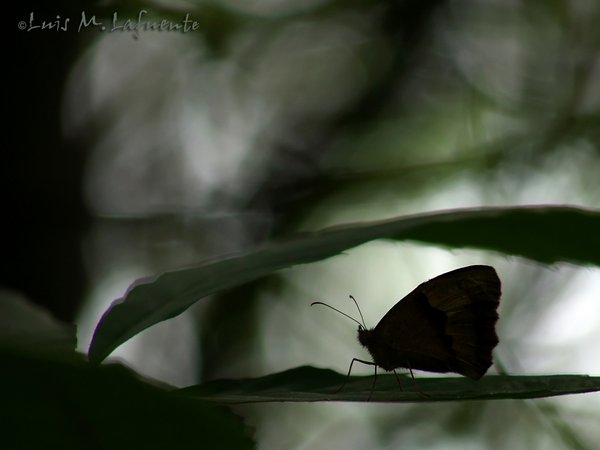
<point>446,324</point>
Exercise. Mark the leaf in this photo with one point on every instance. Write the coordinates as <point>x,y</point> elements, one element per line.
<point>545,234</point>
<point>51,403</point>
<point>30,327</point>
<point>310,384</point>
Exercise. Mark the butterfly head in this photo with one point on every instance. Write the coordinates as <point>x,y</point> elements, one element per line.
<point>364,336</point>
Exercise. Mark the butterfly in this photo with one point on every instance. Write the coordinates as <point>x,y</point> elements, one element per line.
<point>446,324</point>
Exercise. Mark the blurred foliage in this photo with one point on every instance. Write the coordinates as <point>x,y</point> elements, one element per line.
<point>165,149</point>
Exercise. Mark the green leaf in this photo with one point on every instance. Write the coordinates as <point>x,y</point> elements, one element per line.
<point>52,403</point>
<point>545,234</point>
<point>310,384</point>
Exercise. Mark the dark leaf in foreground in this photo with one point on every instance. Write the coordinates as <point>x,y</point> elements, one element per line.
<point>70,404</point>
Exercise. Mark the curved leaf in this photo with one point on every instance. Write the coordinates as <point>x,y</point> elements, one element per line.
<point>545,234</point>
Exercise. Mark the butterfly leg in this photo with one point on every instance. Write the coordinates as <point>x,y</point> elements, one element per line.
<point>369,363</point>
<point>398,380</point>
<point>373,387</point>
<point>412,375</point>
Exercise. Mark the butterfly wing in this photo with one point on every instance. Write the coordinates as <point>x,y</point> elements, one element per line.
<point>444,325</point>
<point>469,297</point>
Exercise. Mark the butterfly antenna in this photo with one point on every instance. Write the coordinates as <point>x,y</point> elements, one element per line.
<point>361,316</point>
<point>335,309</point>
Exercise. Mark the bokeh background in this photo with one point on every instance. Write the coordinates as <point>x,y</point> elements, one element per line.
<point>138,152</point>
